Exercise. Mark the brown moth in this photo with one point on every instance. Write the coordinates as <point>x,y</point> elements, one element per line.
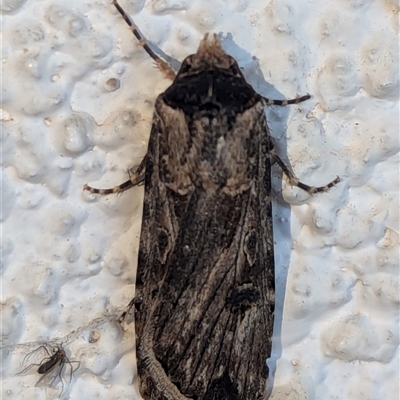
<point>205,287</point>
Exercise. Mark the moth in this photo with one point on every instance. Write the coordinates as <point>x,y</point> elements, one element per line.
<point>51,368</point>
<point>205,285</point>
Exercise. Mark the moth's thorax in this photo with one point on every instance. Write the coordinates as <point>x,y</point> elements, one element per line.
<point>210,117</point>
<point>210,82</point>
<point>209,149</point>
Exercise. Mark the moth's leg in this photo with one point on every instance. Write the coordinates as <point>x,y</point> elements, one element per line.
<point>128,308</point>
<point>295,182</point>
<point>271,102</point>
<point>135,178</point>
<point>292,179</point>
<point>162,65</point>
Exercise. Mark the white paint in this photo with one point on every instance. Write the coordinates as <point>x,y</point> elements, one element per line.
<point>76,108</point>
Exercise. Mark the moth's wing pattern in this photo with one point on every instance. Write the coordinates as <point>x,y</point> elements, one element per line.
<point>205,273</point>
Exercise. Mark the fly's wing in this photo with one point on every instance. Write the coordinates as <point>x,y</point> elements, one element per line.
<point>53,376</point>
<point>205,271</point>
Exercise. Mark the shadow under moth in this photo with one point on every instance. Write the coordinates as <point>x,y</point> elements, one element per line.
<point>205,286</point>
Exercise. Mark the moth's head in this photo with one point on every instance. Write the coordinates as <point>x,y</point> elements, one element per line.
<point>209,56</point>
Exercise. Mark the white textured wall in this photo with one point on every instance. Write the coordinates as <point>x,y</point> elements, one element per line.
<point>69,258</point>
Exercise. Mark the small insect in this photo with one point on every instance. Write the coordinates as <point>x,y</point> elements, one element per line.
<point>51,367</point>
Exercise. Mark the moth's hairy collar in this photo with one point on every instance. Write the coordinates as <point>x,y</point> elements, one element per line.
<point>210,48</point>
<point>209,56</point>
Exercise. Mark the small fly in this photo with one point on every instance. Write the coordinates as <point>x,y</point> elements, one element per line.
<point>51,367</point>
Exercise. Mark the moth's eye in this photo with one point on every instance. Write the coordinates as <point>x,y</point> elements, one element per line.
<point>186,65</point>
<point>234,67</point>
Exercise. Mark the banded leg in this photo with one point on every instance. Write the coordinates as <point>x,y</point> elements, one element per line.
<point>128,308</point>
<point>271,102</point>
<point>162,65</point>
<point>135,179</point>
<point>295,182</point>
<point>292,179</point>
